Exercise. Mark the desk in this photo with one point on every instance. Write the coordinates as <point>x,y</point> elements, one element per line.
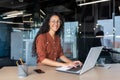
<point>98,73</point>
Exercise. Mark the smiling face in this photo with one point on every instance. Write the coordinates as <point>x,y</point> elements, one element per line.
<point>54,23</point>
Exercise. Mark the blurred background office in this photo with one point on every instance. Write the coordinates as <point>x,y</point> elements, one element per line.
<point>84,21</point>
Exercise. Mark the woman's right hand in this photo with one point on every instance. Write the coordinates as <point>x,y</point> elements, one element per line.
<point>73,64</point>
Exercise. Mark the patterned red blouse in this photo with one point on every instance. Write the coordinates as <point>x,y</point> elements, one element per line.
<point>47,47</point>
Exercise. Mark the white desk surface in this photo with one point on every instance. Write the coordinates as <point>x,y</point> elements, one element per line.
<point>98,73</point>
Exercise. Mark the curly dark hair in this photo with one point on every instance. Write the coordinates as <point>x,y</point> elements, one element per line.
<point>45,28</point>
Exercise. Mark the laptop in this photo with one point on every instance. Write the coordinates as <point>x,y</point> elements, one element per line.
<point>88,64</point>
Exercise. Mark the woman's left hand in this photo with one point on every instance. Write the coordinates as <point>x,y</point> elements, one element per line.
<point>76,63</point>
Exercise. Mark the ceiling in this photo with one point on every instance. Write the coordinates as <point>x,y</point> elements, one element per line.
<point>68,8</point>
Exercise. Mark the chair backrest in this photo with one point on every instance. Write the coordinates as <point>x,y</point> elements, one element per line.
<point>108,43</point>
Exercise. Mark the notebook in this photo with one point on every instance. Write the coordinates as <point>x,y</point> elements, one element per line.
<point>88,64</point>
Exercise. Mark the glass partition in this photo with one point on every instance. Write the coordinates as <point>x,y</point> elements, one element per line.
<point>69,39</point>
<point>99,26</point>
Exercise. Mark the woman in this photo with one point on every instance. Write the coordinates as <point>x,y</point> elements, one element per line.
<point>47,44</point>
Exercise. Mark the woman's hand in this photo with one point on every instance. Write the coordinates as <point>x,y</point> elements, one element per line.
<point>76,63</point>
<point>73,64</point>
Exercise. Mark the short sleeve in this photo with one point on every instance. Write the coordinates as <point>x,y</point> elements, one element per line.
<point>60,47</point>
<point>41,48</point>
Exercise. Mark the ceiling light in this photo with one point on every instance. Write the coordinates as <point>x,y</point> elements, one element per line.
<point>20,0</point>
<point>15,14</point>
<point>41,16</point>
<point>80,0</point>
<point>12,14</point>
<point>28,21</point>
<point>99,36</point>
<point>7,22</point>
<point>42,12</point>
<point>7,17</point>
<point>25,15</point>
<point>93,2</point>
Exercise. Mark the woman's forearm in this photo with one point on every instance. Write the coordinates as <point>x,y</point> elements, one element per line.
<point>52,63</point>
<point>65,59</point>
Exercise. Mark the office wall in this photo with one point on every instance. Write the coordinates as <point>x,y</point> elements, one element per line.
<point>5,31</point>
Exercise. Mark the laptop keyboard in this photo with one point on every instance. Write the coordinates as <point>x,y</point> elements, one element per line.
<point>75,69</point>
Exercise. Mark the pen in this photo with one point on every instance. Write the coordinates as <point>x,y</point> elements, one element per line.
<point>21,61</point>
<point>17,63</point>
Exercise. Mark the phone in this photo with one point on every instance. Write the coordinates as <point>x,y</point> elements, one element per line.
<point>39,71</point>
